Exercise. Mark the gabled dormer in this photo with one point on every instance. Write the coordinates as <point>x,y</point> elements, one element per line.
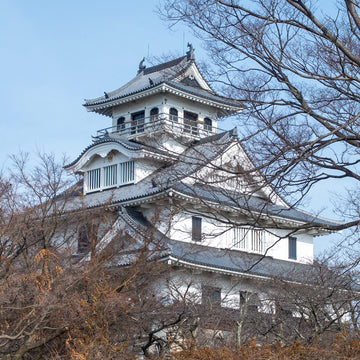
<point>111,163</point>
<point>169,98</point>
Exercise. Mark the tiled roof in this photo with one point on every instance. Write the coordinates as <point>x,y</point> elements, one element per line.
<point>249,203</point>
<point>162,74</point>
<point>157,74</point>
<point>160,182</point>
<point>235,261</point>
<point>164,66</point>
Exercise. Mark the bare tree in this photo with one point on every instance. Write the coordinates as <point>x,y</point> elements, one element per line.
<point>295,65</point>
<point>64,294</point>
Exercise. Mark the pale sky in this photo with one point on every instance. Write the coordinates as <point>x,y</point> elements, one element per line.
<point>54,54</point>
<point>57,53</point>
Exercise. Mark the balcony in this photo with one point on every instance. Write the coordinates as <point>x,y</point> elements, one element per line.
<point>160,123</point>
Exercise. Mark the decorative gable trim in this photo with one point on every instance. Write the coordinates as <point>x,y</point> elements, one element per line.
<point>104,146</point>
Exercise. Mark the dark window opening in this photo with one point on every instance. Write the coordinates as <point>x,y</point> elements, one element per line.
<point>174,115</point>
<point>120,125</point>
<point>211,296</point>
<point>137,122</point>
<point>207,124</point>
<point>196,228</point>
<point>87,238</point>
<point>154,114</point>
<point>190,123</point>
<point>292,248</point>
<point>249,300</point>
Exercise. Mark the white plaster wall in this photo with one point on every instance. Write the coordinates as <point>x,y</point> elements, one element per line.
<point>144,167</point>
<point>145,104</point>
<point>232,158</point>
<point>214,232</point>
<point>178,226</point>
<point>164,102</point>
<point>305,246</point>
<point>182,104</point>
<point>187,285</point>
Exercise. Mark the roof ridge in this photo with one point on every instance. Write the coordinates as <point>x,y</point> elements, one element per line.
<point>163,66</point>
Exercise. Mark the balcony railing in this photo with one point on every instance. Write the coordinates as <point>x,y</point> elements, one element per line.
<point>160,122</point>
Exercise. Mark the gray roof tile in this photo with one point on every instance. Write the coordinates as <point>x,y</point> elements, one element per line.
<point>250,203</point>
<point>166,73</point>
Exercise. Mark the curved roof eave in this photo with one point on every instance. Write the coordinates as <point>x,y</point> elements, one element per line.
<point>128,148</point>
<point>103,106</point>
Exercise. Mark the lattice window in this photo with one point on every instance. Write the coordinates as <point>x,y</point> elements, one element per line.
<point>93,179</point>
<point>240,238</point>
<point>249,239</point>
<point>110,175</point>
<point>127,173</point>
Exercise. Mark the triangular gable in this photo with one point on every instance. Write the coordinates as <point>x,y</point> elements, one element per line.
<point>233,170</point>
<point>193,77</point>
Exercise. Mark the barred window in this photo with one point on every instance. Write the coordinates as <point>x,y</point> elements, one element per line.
<point>93,179</point>
<point>110,175</point>
<point>127,173</point>
<point>249,239</point>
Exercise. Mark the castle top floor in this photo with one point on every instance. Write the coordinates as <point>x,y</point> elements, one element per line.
<point>170,97</point>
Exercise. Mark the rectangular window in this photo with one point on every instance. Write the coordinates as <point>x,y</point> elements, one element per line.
<point>196,228</point>
<point>292,248</point>
<point>93,179</point>
<point>211,296</point>
<point>87,237</point>
<point>110,175</point>
<point>127,173</point>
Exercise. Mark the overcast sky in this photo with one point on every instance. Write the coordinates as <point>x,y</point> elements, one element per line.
<point>55,54</point>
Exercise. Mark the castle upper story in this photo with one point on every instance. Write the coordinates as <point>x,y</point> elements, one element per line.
<point>172,97</point>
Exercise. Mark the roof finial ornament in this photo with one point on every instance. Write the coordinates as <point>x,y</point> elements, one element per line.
<point>190,52</point>
<point>106,95</point>
<point>141,66</point>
